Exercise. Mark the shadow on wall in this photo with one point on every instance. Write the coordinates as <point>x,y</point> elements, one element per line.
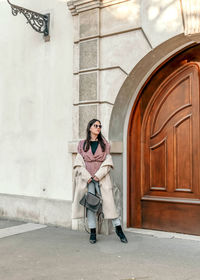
<point>164,14</point>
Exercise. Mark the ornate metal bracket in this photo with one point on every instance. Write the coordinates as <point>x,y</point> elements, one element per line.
<point>38,22</point>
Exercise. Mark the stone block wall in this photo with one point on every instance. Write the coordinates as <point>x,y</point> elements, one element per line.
<point>108,42</point>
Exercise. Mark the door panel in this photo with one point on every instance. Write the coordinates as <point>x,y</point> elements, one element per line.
<point>158,159</point>
<point>183,155</point>
<point>172,100</point>
<point>177,217</point>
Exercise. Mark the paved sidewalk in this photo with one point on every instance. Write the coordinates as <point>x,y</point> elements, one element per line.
<point>53,253</point>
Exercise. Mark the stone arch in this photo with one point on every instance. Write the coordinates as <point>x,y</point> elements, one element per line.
<point>126,97</point>
<point>137,78</point>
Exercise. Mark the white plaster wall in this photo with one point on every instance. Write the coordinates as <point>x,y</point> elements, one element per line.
<point>124,50</point>
<point>120,17</point>
<point>36,102</point>
<point>110,82</point>
<point>104,115</point>
<point>161,20</point>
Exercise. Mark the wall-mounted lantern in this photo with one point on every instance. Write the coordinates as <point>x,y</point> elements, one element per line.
<point>191,17</point>
<point>38,22</point>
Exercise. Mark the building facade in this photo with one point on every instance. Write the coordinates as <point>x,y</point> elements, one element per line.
<point>127,63</point>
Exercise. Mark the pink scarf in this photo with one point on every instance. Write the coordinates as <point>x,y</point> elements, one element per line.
<point>93,162</point>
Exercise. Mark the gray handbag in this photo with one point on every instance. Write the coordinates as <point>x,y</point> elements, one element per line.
<point>92,202</point>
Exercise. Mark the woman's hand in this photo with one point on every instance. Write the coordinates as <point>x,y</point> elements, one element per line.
<point>95,178</point>
<point>90,180</point>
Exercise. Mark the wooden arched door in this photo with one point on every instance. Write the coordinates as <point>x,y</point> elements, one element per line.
<point>164,149</point>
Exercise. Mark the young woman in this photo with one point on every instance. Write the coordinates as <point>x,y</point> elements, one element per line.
<point>92,166</point>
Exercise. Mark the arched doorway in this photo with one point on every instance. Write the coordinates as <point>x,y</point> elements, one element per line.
<point>164,148</point>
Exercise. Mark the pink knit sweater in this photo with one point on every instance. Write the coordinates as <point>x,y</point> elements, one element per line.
<point>93,162</point>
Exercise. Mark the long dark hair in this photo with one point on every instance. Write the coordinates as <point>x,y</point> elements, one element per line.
<point>100,137</point>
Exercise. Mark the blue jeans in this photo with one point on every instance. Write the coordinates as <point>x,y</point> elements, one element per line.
<point>91,216</point>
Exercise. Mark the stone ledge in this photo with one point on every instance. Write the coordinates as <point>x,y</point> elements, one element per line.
<point>78,6</point>
<point>35,209</point>
<point>89,102</point>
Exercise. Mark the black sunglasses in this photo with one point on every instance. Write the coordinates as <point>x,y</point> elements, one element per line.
<point>97,125</point>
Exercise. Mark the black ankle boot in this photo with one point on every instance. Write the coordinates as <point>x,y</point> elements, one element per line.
<point>121,235</point>
<point>93,235</point>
